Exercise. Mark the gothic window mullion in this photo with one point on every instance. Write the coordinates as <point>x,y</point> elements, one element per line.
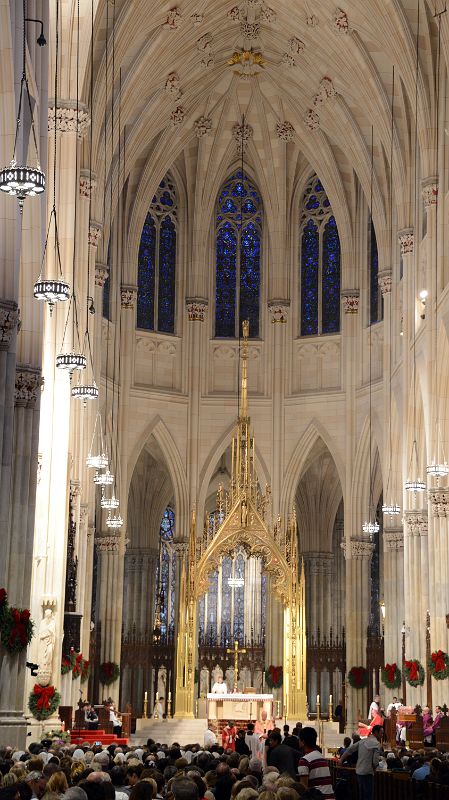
<point>237,281</point>
<point>320,281</point>
<point>156,276</point>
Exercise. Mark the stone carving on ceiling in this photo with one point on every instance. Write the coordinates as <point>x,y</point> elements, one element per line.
<point>296,45</point>
<point>285,131</point>
<point>312,21</point>
<point>250,30</point>
<point>177,116</point>
<point>312,120</point>
<point>197,18</point>
<point>203,125</point>
<point>325,92</point>
<point>341,22</point>
<point>288,60</point>
<point>242,134</point>
<point>172,85</point>
<point>173,19</point>
<point>204,46</point>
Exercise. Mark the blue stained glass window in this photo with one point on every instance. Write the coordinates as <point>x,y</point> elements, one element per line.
<point>226,600</point>
<point>167,267</point>
<point>331,278</point>
<point>166,580</point>
<point>309,279</point>
<point>226,281</point>
<point>320,259</point>
<point>212,597</point>
<point>157,262</point>
<point>374,276</point>
<point>239,602</point>
<point>146,276</point>
<point>238,257</point>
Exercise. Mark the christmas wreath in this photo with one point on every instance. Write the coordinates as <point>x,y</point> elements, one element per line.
<point>68,662</point>
<point>414,672</point>
<point>109,672</point>
<point>358,677</point>
<point>3,602</point>
<point>274,677</point>
<point>43,701</point>
<point>439,665</point>
<point>391,676</point>
<point>85,670</point>
<point>77,665</point>
<point>16,627</point>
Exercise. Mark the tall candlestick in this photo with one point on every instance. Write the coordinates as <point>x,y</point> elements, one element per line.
<point>317,699</point>
<point>169,695</point>
<point>146,696</point>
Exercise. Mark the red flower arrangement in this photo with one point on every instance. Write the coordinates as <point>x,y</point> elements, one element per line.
<point>109,672</point>
<point>85,670</point>
<point>3,599</point>
<point>43,701</point>
<point>274,677</point>
<point>358,677</point>
<point>414,672</point>
<point>68,662</point>
<point>16,628</point>
<point>77,666</point>
<point>439,665</point>
<point>391,676</point>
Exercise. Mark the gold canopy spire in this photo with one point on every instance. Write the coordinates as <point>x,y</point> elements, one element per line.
<point>243,410</point>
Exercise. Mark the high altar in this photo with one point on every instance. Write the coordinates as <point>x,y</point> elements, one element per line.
<point>243,514</point>
<point>238,706</point>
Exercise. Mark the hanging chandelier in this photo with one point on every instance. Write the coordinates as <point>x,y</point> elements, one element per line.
<point>103,478</point>
<point>437,470</point>
<point>114,521</point>
<point>51,291</point>
<point>71,361</point>
<point>20,180</point>
<point>85,392</point>
<point>97,457</point>
<point>391,509</point>
<point>371,528</point>
<point>109,502</point>
<point>414,484</point>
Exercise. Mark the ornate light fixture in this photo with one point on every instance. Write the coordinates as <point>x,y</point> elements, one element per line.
<point>236,582</point>
<point>97,457</point>
<point>109,502</point>
<point>437,470</point>
<point>103,478</point>
<point>71,361</point>
<point>371,527</point>
<point>114,521</point>
<point>52,291</point>
<point>391,509</point>
<point>85,392</point>
<point>19,180</point>
<point>414,483</point>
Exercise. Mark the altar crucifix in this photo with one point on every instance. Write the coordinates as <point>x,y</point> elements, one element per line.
<point>236,652</point>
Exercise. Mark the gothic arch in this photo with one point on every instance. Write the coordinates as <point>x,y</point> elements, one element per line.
<point>314,431</point>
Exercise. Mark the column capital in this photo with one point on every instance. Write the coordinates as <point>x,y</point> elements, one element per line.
<point>66,117</point>
<point>108,544</point>
<point>351,299</point>
<point>9,319</point>
<point>95,229</point>
<point>319,563</point>
<point>88,183</point>
<point>28,383</point>
<point>128,296</point>
<point>429,189</point>
<point>416,521</point>
<point>406,238</point>
<point>279,310</point>
<point>196,308</point>
<point>101,274</point>
<point>393,539</point>
<point>181,548</point>
<point>439,499</point>
<point>358,549</point>
<point>385,281</point>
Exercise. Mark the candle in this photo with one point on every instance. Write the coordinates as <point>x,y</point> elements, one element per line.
<point>330,700</point>
<point>157,696</point>
<point>169,696</point>
<point>146,697</point>
<point>317,699</point>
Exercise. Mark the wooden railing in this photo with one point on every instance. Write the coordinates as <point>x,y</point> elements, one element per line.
<point>390,785</point>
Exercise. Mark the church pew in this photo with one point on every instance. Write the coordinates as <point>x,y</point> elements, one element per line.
<point>442,735</point>
<point>390,728</point>
<point>390,785</point>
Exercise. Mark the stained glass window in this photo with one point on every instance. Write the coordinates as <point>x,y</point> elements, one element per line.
<point>375,296</point>
<point>156,281</point>
<point>166,582</point>
<point>319,263</point>
<point>107,287</point>
<point>238,253</point>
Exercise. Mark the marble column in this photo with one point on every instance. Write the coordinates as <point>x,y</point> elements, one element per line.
<point>9,318</point>
<point>439,581</point>
<point>417,601</point>
<point>393,546</point>
<point>110,556</point>
<point>358,554</point>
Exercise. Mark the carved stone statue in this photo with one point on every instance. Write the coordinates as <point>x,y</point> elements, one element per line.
<point>46,646</point>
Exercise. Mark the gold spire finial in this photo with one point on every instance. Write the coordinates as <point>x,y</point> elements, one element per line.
<point>244,366</point>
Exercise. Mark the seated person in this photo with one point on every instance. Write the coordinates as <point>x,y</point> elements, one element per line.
<point>115,719</point>
<point>365,730</point>
<point>219,686</point>
<point>90,717</point>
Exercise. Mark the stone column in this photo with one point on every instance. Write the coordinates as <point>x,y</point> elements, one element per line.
<point>393,543</point>
<point>417,602</point>
<point>110,556</point>
<point>18,547</point>
<point>439,584</point>
<point>9,318</point>
<point>358,554</point>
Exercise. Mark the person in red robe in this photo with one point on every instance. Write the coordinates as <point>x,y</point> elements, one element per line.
<point>228,736</point>
<point>365,730</point>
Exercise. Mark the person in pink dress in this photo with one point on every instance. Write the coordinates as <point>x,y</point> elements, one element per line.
<point>262,728</point>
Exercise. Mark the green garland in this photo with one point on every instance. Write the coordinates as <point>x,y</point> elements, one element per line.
<point>43,701</point>
<point>358,677</point>
<point>391,676</point>
<point>85,671</point>
<point>274,677</point>
<point>16,628</point>
<point>67,663</point>
<point>438,665</point>
<point>109,672</point>
<point>414,672</point>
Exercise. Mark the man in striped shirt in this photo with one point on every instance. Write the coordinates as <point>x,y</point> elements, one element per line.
<point>313,769</point>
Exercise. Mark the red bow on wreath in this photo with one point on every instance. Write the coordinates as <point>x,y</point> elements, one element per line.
<point>18,630</point>
<point>44,695</point>
<point>438,660</point>
<point>412,667</point>
<point>390,669</point>
<point>275,673</point>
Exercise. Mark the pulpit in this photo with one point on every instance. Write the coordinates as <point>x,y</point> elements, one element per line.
<point>238,706</point>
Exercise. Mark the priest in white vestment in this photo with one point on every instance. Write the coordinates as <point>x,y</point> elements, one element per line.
<point>219,686</point>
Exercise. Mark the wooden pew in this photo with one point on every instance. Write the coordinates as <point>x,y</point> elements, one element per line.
<point>442,735</point>
<point>415,731</point>
<point>390,728</point>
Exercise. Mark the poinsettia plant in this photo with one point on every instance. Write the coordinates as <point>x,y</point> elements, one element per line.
<point>85,670</point>
<point>439,665</point>
<point>414,672</point>
<point>358,677</point>
<point>274,677</point>
<point>391,676</point>
<point>16,628</point>
<point>77,665</point>
<point>68,662</point>
<point>43,701</point>
<point>109,672</point>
